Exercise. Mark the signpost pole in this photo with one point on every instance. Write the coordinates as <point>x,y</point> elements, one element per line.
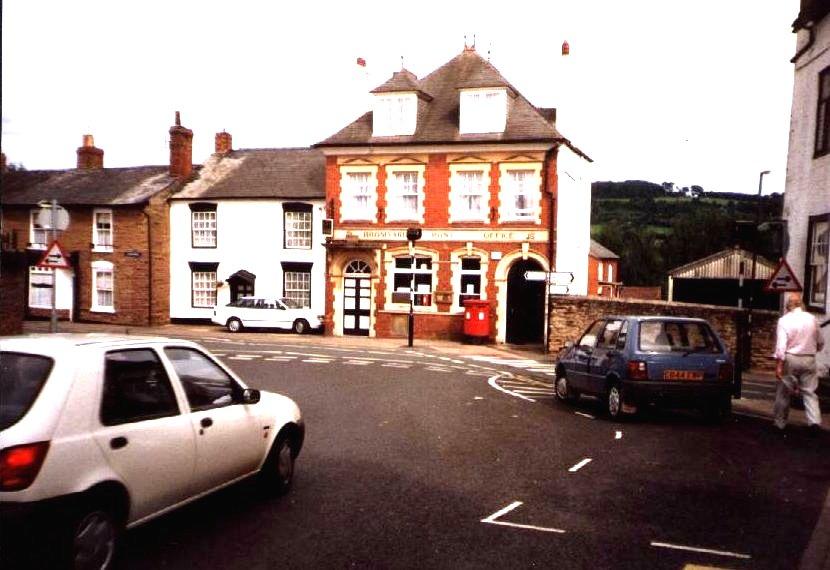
<point>411,320</point>
<point>546,348</point>
<point>53,323</point>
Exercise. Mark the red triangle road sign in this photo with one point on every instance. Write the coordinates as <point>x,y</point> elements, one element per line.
<point>782,280</point>
<point>54,258</point>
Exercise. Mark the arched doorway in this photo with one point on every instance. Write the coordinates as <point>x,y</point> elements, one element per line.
<point>525,304</point>
<point>357,300</point>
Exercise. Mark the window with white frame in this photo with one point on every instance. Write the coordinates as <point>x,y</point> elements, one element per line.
<point>403,196</point>
<point>470,279</point>
<point>203,225</point>
<point>469,193</point>
<point>297,220</point>
<point>520,193</point>
<point>297,282</point>
<point>358,194</point>
<point>103,286</point>
<point>609,273</point>
<point>102,230</point>
<point>405,279</point>
<point>394,114</point>
<point>483,111</point>
<point>817,261</point>
<point>203,287</point>
<point>40,287</point>
<point>38,235</point>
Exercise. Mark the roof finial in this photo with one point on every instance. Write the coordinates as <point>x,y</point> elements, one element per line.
<point>402,67</point>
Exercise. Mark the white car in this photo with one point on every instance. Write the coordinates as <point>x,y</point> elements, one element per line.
<point>266,312</point>
<point>102,433</point>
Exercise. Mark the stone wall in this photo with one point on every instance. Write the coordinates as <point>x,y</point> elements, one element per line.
<point>570,316</point>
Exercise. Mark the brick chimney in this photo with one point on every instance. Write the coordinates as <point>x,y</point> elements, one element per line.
<point>89,157</point>
<point>181,150</point>
<point>2,162</point>
<point>223,143</point>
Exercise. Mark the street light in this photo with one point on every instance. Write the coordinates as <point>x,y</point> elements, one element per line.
<point>754,261</point>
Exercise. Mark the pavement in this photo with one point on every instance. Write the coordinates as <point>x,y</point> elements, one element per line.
<point>757,394</point>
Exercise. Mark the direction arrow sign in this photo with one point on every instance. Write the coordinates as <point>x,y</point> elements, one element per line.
<point>554,277</point>
<point>54,258</point>
<point>783,279</point>
<point>558,289</point>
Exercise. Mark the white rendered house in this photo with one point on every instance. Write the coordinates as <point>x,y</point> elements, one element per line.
<point>807,194</point>
<point>251,223</point>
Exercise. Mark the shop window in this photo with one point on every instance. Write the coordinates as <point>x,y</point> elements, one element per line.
<point>407,279</point>
<point>470,279</point>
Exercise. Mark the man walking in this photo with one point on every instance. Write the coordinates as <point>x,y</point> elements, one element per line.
<point>797,339</point>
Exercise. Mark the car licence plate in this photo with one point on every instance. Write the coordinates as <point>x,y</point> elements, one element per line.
<point>682,375</point>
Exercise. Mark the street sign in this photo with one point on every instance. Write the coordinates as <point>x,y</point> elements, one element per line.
<point>782,280</point>
<point>54,258</point>
<point>553,277</point>
<point>558,289</point>
<point>535,275</point>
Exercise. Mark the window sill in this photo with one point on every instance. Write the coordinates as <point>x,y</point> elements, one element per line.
<point>516,221</point>
<point>36,246</point>
<point>102,309</point>
<point>101,249</point>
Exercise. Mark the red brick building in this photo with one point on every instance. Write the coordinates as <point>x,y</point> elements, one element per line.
<point>117,239</point>
<point>463,156</point>
<point>603,271</point>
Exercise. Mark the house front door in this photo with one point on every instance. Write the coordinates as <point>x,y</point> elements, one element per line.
<point>357,301</point>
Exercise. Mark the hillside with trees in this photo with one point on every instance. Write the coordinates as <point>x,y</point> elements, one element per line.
<point>657,227</point>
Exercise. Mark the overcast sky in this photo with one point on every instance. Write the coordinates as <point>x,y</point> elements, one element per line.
<point>660,90</point>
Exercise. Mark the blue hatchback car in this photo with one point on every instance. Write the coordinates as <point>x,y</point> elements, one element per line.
<point>632,361</point>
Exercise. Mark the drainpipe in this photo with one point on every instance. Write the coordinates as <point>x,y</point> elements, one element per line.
<point>149,270</point>
<point>809,26</point>
<point>547,185</point>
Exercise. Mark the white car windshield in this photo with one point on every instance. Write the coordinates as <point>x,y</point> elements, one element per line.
<point>290,303</point>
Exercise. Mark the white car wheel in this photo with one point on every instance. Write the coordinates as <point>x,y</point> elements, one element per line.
<point>234,325</point>
<point>93,540</point>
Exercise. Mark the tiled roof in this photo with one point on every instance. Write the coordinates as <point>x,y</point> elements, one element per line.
<point>601,252</point>
<point>260,173</point>
<point>94,187</point>
<point>437,120</point>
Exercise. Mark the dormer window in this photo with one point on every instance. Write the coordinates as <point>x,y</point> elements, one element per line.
<point>394,114</point>
<point>483,111</point>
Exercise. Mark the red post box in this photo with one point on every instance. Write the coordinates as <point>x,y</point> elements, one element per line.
<point>477,318</point>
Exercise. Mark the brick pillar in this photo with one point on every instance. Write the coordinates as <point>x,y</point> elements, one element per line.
<point>89,157</point>
<point>181,150</point>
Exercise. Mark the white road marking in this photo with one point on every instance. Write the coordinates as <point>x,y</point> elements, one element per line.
<point>580,465</point>
<point>493,382</point>
<point>280,358</point>
<point>395,365</point>
<point>478,398</point>
<point>703,550</point>
<point>618,435</point>
<point>240,358</point>
<point>492,520</point>
<point>584,415</point>
<point>317,360</point>
<point>219,354</point>
<point>309,354</point>
<point>357,362</point>
<point>437,369</point>
<point>249,355</point>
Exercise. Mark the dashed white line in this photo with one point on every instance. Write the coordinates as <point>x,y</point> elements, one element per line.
<point>317,360</point>
<point>357,362</point>
<point>618,435</point>
<point>584,415</point>
<point>703,550</point>
<point>580,465</point>
<point>395,365</point>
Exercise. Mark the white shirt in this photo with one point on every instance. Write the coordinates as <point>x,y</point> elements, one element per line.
<point>797,333</point>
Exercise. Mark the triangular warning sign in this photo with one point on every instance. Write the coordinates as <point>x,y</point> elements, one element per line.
<point>782,280</point>
<point>54,258</point>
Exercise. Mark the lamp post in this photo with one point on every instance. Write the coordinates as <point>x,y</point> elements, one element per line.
<point>412,235</point>
<point>754,261</point>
